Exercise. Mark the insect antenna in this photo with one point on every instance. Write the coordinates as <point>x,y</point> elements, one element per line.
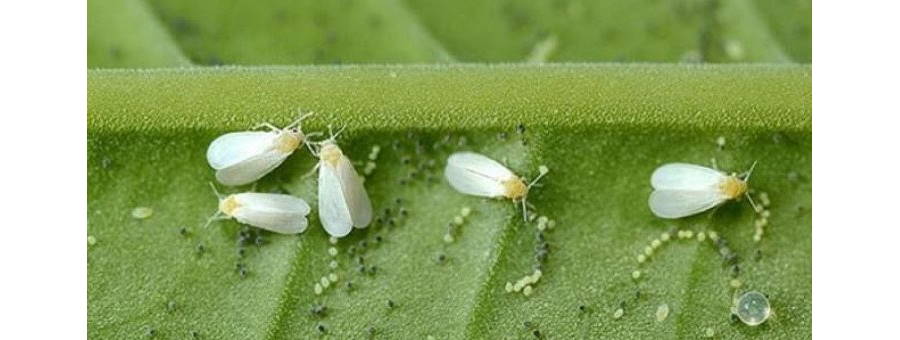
<point>218,214</point>
<point>332,138</point>
<point>215,191</point>
<point>543,171</point>
<point>299,121</point>
<point>749,172</point>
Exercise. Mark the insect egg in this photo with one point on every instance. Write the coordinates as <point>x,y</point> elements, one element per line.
<point>662,312</point>
<point>142,213</point>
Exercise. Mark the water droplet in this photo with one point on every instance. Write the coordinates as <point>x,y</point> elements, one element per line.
<point>753,308</point>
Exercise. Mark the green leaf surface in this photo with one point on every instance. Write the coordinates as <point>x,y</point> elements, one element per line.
<point>126,33</point>
<point>601,130</point>
<point>291,32</point>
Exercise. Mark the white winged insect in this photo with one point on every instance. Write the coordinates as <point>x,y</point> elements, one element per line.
<point>343,201</point>
<point>283,214</point>
<point>685,189</point>
<point>475,174</point>
<point>244,157</point>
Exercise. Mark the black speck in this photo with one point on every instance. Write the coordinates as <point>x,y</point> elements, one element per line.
<point>183,231</point>
<point>182,26</point>
<point>441,258</point>
<point>734,318</point>
<point>398,201</point>
<point>116,53</point>
<point>318,310</point>
<point>378,239</point>
<point>195,334</point>
<point>536,333</point>
<point>731,258</point>
<point>373,270</point>
<point>360,260</point>
<point>527,324</point>
<point>520,128</point>
<point>241,252</point>
<point>320,328</point>
<point>348,285</point>
<point>735,270</point>
<point>151,332</point>
<point>214,60</point>
<point>200,249</point>
<point>582,308</point>
<point>390,303</point>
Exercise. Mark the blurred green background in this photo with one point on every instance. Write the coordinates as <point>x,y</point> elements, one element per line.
<point>160,33</point>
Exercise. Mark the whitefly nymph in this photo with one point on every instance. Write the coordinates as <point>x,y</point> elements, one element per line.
<point>343,201</point>
<point>283,214</point>
<point>685,189</point>
<point>243,157</point>
<point>475,174</point>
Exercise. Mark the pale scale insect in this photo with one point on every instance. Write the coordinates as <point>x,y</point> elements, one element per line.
<point>343,201</point>
<point>243,157</point>
<point>475,174</point>
<point>283,214</point>
<point>685,189</point>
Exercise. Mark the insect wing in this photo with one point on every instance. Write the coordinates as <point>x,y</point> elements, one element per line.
<point>354,194</point>
<point>251,169</point>
<point>333,209</point>
<point>235,147</point>
<point>475,174</point>
<point>681,176</point>
<point>284,214</point>
<point>668,203</point>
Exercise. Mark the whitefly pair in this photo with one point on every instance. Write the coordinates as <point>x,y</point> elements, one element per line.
<point>241,158</point>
